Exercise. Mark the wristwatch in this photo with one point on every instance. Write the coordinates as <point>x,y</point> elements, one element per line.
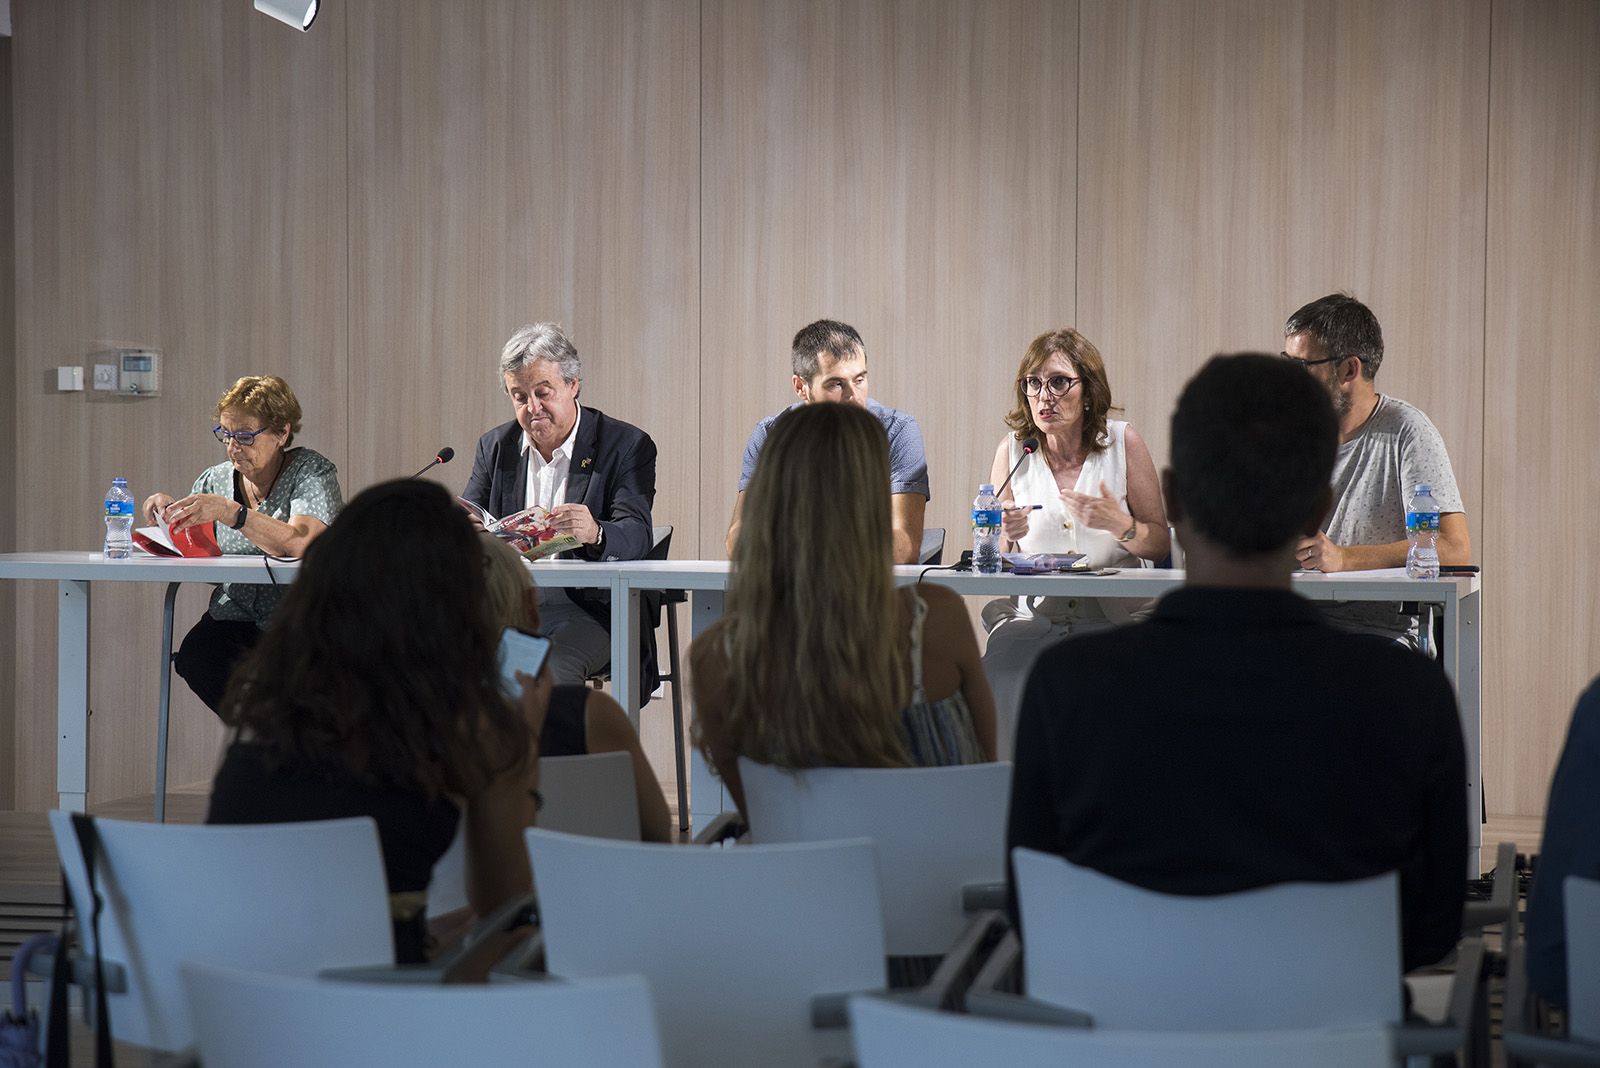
<point>1129,534</point>
<point>238,523</point>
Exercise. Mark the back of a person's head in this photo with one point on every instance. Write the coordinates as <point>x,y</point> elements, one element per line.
<point>816,667</point>
<point>1253,441</point>
<point>509,586</point>
<point>381,656</point>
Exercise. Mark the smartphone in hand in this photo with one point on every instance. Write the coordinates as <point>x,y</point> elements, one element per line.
<point>520,652</point>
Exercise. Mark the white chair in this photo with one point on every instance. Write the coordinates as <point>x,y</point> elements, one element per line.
<point>591,795</point>
<point>753,936</point>
<point>1296,954</point>
<point>254,1020</point>
<point>939,832</point>
<point>292,898</point>
<point>1526,1043</point>
<point>891,1035</point>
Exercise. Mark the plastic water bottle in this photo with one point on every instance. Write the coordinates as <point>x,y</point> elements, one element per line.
<point>986,531</point>
<point>119,521</point>
<point>1422,531</point>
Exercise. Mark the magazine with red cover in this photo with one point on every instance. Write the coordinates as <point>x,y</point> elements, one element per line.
<point>197,541</point>
<point>528,531</point>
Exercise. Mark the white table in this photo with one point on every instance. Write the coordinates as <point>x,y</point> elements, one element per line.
<point>75,573</point>
<point>1460,600</point>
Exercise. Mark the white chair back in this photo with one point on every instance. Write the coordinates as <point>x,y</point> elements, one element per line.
<point>292,898</point>
<point>936,829</point>
<point>734,942</point>
<point>1582,899</point>
<point>888,1034</point>
<point>592,795</point>
<point>1295,955</point>
<point>252,1020</point>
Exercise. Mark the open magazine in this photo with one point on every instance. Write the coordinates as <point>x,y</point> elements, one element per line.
<point>528,531</point>
<point>199,540</point>
<point>1038,563</point>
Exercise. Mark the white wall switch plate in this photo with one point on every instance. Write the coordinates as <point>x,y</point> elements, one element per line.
<point>69,379</point>
<point>105,376</point>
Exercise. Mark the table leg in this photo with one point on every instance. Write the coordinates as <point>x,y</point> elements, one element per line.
<point>72,695</point>
<point>625,682</point>
<point>1463,663</point>
<point>707,798</point>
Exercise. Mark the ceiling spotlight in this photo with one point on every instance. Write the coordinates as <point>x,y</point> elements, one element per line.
<point>297,13</point>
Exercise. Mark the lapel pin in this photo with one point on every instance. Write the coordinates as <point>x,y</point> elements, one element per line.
<point>583,464</point>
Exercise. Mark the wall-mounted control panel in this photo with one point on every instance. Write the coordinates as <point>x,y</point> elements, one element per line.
<point>139,372</point>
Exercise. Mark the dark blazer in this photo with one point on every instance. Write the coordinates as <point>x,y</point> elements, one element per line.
<point>613,473</point>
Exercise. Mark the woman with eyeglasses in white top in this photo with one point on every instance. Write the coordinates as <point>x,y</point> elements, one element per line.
<point>1090,487</point>
<point>265,499</point>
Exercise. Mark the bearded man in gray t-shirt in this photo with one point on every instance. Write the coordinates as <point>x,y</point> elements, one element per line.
<point>1386,448</point>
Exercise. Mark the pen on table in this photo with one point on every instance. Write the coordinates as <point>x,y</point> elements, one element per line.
<point>1022,507</point>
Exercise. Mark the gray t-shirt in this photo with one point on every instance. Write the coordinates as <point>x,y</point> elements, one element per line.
<point>908,461</point>
<point>307,485</point>
<point>1374,475</point>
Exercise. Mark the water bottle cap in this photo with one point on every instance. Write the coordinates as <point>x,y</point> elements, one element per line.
<point>119,482</point>
<point>986,487</point>
<point>1424,490</point>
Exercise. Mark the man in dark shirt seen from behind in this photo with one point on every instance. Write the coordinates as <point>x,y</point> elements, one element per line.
<point>1236,739</point>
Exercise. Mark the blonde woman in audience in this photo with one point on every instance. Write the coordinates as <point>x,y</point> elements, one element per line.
<point>1089,487</point>
<point>579,720</point>
<point>819,660</point>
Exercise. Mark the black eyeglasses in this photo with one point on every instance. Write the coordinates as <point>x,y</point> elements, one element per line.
<point>1312,363</point>
<point>1055,385</point>
<point>246,438</point>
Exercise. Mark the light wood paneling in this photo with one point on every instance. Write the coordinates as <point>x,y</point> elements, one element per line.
<point>180,184</point>
<point>1241,157</point>
<point>511,162</point>
<point>906,167</point>
<point>8,441</point>
<point>1540,434</point>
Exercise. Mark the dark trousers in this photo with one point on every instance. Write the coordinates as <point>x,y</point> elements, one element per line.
<point>210,652</point>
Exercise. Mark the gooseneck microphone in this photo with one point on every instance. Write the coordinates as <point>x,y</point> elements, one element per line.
<point>1029,447</point>
<point>443,456</point>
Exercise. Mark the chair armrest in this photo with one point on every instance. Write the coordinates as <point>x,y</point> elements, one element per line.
<point>1545,1049</point>
<point>41,965</point>
<point>526,960</point>
<point>1476,915</point>
<point>469,960</point>
<point>947,987</point>
<point>727,827</point>
<point>1465,1023</point>
<point>981,897</point>
<point>985,997</point>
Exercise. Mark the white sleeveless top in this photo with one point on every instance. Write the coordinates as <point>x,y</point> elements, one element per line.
<point>1053,529</point>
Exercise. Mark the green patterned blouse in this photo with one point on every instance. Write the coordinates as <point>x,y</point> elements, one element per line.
<point>308,485</point>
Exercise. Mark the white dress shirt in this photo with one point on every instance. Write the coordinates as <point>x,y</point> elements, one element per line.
<point>547,479</point>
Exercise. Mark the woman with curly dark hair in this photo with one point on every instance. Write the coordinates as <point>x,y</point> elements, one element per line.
<point>375,691</point>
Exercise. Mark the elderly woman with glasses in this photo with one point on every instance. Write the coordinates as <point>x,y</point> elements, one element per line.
<point>1089,486</point>
<point>265,499</point>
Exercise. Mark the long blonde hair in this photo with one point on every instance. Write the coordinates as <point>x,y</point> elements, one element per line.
<point>507,586</point>
<point>814,633</point>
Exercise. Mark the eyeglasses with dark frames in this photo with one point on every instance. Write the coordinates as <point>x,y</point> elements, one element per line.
<point>1312,363</point>
<point>246,438</point>
<point>1055,385</point>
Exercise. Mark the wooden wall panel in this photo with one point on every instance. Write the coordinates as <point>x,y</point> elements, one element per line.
<point>1540,434</point>
<point>1241,157</point>
<point>907,167</point>
<point>8,429</point>
<point>180,184</point>
<point>511,162</point>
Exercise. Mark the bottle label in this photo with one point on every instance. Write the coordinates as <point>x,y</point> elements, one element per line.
<point>986,517</point>
<point>117,509</point>
<point>1419,522</point>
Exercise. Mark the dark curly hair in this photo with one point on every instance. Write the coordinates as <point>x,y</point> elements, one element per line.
<point>381,661</point>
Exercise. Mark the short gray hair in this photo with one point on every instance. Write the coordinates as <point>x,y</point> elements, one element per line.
<point>541,341</point>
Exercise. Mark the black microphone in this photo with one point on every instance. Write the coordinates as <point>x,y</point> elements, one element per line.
<point>444,456</point>
<point>1028,448</point>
